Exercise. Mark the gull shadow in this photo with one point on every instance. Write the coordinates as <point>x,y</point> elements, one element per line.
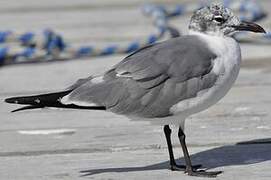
<point>242,153</point>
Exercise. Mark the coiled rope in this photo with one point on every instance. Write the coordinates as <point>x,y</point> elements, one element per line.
<point>51,46</point>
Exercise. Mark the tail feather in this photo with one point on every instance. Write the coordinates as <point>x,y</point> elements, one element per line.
<point>46,100</point>
<point>41,100</point>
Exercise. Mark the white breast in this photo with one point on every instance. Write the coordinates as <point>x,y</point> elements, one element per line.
<point>226,66</point>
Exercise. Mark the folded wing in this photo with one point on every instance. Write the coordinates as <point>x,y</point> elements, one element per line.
<point>150,81</point>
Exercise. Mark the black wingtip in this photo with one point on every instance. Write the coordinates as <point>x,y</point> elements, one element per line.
<point>11,100</point>
<point>27,108</point>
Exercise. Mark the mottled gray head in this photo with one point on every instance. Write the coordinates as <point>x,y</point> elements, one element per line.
<point>218,20</point>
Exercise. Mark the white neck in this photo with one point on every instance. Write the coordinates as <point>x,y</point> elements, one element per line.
<point>226,48</point>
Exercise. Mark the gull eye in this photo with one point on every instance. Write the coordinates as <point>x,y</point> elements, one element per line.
<point>219,19</point>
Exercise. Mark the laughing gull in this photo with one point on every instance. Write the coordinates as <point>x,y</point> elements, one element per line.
<point>165,82</point>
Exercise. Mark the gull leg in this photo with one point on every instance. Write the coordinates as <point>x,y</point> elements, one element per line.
<point>189,168</point>
<point>173,164</point>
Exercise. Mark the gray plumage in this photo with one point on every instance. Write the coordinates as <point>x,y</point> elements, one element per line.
<point>150,81</point>
<point>164,82</point>
<point>214,18</point>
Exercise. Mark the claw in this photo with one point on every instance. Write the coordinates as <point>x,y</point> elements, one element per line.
<point>203,173</point>
<point>176,167</point>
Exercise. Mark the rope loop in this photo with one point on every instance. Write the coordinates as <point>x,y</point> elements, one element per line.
<point>52,46</point>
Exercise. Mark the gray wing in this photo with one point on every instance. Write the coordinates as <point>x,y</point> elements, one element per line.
<point>149,82</point>
<point>79,82</point>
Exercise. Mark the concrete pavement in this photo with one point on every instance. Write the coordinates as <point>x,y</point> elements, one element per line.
<point>58,144</point>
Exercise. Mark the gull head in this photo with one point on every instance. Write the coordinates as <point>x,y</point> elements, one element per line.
<point>221,21</point>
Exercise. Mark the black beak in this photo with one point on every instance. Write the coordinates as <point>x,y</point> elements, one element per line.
<point>249,26</point>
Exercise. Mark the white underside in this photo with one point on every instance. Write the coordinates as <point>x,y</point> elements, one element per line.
<point>226,65</point>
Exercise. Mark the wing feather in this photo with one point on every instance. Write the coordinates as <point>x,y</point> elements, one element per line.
<point>150,81</point>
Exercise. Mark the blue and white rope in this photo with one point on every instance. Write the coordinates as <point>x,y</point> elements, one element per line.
<point>56,48</point>
<point>51,46</point>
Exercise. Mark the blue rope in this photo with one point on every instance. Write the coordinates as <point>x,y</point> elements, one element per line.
<point>27,38</point>
<point>54,46</point>
<point>109,50</point>
<point>3,54</point>
<point>27,53</point>
<point>132,47</point>
<point>84,51</point>
<point>53,42</point>
<point>4,35</point>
